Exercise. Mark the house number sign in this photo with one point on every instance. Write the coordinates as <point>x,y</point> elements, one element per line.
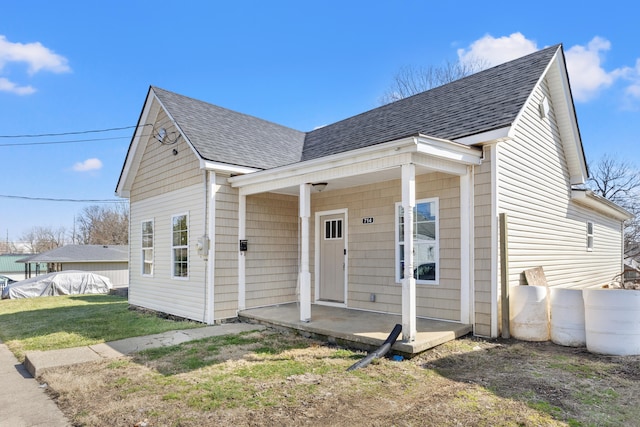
<point>368,220</point>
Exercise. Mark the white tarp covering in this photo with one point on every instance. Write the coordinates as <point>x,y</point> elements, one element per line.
<point>59,283</point>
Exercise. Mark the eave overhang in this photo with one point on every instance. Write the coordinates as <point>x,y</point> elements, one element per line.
<point>225,167</point>
<point>591,200</point>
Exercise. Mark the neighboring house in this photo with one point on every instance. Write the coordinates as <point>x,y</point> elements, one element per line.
<point>10,267</point>
<point>631,269</point>
<point>230,212</point>
<point>111,261</point>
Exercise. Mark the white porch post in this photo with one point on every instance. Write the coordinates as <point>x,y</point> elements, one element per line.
<point>408,282</point>
<point>304,276</point>
<point>466,245</point>
<point>242,234</point>
<point>211,190</point>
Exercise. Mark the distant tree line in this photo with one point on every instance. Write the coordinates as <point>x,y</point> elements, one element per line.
<point>95,225</point>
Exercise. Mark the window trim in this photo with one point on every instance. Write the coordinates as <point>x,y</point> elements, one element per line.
<point>143,248</point>
<point>174,247</point>
<point>398,243</point>
<point>590,237</point>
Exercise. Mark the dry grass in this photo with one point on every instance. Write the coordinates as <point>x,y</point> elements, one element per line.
<point>270,378</point>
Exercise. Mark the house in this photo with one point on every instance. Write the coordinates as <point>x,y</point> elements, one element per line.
<point>107,260</point>
<point>395,210</point>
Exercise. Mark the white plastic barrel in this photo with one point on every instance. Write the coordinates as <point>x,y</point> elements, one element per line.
<point>529,313</point>
<point>566,310</point>
<point>612,321</point>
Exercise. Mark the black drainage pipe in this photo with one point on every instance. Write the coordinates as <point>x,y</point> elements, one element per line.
<point>381,351</point>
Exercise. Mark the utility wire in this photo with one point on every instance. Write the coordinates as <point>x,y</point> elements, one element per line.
<point>6,196</point>
<point>70,141</point>
<point>72,133</point>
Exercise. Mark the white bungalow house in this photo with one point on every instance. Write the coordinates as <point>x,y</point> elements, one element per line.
<point>395,210</point>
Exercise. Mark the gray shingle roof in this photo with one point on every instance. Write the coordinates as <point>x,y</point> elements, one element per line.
<point>82,253</point>
<point>229,137</point>
<point>485,101</point>
<point>488,100</point>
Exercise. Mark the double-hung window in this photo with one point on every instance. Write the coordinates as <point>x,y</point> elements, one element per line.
<point>180,246</point>
<point>425,241</point>
<point>147,248</point>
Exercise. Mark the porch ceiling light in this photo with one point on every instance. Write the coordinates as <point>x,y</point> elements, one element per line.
<point>319,186</point>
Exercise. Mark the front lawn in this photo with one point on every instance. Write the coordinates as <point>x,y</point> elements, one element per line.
<point>50,323</point>
<point>269,378</point>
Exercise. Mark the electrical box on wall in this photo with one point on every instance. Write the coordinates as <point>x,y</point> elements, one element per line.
<point>203,246</point>
<point>244,245</point>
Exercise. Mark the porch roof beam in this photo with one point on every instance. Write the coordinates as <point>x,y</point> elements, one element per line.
<point>449,150</point>
<point>331,171</point>
<point>416,150</point>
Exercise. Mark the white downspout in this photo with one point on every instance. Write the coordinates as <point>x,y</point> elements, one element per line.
<point>495,271</point>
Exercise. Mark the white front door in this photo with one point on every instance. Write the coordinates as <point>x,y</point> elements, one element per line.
<point>333,256</point>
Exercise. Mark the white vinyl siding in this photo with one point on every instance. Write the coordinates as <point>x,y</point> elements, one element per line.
<point>272,258</point>
<point>184,298</point>
<point>545,227</point>
<point>483,251</point>
<point>372,246</point>
<point>160,170</point>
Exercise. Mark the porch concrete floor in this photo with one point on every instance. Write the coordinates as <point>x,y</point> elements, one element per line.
<point>356,328</point>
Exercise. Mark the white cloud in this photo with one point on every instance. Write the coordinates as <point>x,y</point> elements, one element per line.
<point>493,51</point>
<point>633,90</point>
<point>8,86</point>
<point>88,165</point>
<point>584,63</point>
<point>586,73</point>
<point>37,58</point>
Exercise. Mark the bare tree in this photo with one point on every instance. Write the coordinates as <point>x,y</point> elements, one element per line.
<point>41,239</point>
<point>101,225</point>
<point>8,247</point>
<point>619,181</point>
<point>410,80</point>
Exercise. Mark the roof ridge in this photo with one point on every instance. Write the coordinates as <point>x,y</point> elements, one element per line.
<point>200,101</point>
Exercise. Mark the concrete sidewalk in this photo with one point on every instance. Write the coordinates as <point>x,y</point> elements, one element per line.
<point>23,401</point>
<point>36,362</point>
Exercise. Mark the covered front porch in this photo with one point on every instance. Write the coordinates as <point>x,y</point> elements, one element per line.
<point>372,196</point>
<point>357,328</point>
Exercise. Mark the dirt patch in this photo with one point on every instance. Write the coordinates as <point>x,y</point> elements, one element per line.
<point>270,378</point>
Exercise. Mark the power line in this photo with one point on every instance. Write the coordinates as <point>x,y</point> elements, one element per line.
<point>70,141</point>
<point>72,133</point>
<point>48,199</point>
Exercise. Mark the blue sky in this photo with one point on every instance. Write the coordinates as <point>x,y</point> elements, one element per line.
<point>73,66</point>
